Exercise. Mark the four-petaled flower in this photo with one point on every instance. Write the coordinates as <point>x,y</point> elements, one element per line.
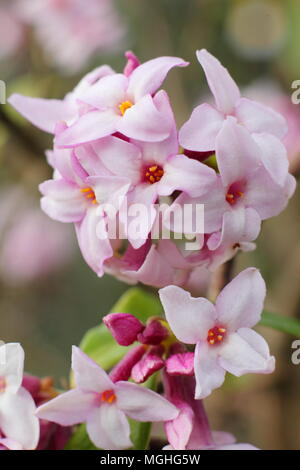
<point>222,332</point>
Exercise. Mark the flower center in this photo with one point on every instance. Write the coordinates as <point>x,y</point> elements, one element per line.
<point>2,384</point>
<point>153,174</point>
<point>216,335</point>
<point>89,195</point>
<point>108,396</point>
<point>234,193</point>
<point>124,106</point>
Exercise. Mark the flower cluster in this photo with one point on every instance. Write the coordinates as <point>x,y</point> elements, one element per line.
<point>136,190</point>
<point>121,176</point>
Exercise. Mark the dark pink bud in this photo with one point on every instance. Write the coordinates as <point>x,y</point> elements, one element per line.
<point>154,333</point>
<point>124,327</point>
<point>180,364</point>
<point>122,370</point>
<point>150,363</point>
<point>132,63</point>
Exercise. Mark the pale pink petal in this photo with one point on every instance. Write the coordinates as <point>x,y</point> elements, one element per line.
<point>63,200</point>
<point>42,113</point>
<point>89,159</point>
<point>209,374</point>
<point>95,249</point>
<point>265,196</point>
<point>246,351</point>
<point>109,189</point>
<point>189,318</point>
<point>144,121</point>
<point>142,404</point>
<point>178,430</point>
<point>222,85</point>
<point>108,428</point>
<point>237,153</point>
<point>119,157</point>
<point>185,174</point>
<point>11,365</point>
<point>260,118</point>
<point>200,131</point>
<point>17,419</point>
<point>108,92</point>
<point>148,77</point>
<point>141,213</point>
<point>240,303</point>
<point>89,376</point>
<point>89,127</point>
<point>274,156</point>
<point>69,408</point>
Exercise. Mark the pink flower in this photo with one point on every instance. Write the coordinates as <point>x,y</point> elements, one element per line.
<point>222,332</point>
<point>191,430</point>
<point>152,169</point>
<point>106,103</point>
<point>69,32</point>
<point>244,192</point>
<point>200,132</point>
<point>12,31</point>
<point>19,427</point>
<point>103,405</point>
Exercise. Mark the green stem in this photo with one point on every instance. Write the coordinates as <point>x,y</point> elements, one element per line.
<point>287,325</point>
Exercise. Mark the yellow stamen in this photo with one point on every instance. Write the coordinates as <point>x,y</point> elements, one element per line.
<point>124,106</point>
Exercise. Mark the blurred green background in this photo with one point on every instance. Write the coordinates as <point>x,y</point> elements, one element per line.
<point>259,42</point>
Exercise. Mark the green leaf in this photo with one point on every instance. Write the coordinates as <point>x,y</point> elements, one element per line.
<point>278,322</point>
<point>98,342</point>
<point>80,440</point>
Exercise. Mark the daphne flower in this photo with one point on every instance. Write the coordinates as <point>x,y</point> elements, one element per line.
<point>152,169</point>
<point>19,427</point>
<point>222,332</point>
<point>244,188</point>
<point>191,430</point>
<point>267,126</point>
<point>104,405</point>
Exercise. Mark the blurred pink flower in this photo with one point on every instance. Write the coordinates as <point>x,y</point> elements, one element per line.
<point>12,30</point>
<point>71,32</point>
<point>31,244</point>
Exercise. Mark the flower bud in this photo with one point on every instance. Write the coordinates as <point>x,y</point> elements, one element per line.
<point>154,333</point>
<point>124,327</point>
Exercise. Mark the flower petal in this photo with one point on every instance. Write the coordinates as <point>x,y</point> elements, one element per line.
<point>221,84</point>
<point>148,77</point>
<point>246,351</point>
<point>93,240</point>
<point>89,376</point>
<point>12,365</point>
<point>69,408</point>
<point>189,318</point>
<point>237,153</point>
<point>107,92</point>
<point>144,121</point>
<point>121,158</point>
<point>63,200</point>
<point>42,113</point>
<point>260,118</point>
<point>89,127</point>
<point>240,303</point>
<point>108,428</point>
<point>208,372</point>
<point>142,404</point>
<point>199,133</point>
<point>17,419</point>
<point>185,174</point>
<point>274,156</point>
